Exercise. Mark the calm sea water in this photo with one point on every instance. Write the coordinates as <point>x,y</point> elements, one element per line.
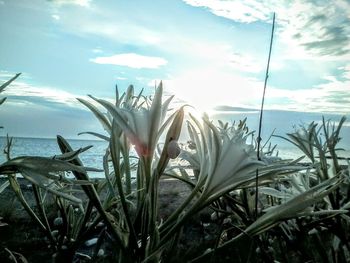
<point>94,156</point>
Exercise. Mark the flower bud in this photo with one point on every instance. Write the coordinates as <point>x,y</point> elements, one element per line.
<point>173,149</point>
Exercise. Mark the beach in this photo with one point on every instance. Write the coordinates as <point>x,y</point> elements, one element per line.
<point>21,234</point>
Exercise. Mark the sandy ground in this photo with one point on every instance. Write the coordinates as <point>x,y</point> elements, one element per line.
<point>172,193</point>
<point>22,235</point>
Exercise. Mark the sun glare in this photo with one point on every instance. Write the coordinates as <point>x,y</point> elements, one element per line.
<point>204,89</point>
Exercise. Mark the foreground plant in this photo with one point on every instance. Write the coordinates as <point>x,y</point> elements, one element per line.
<point>76,220</point>
<point>302,207</point>
<point>139,122</point>
<point>222,161</point>
<point>143,123</point>
<point>75,223</point>
<point>319,144</point>
<point>2,100</point>
<point>142,135</point>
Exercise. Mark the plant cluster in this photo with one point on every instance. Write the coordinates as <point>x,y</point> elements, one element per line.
<point>279,208</point>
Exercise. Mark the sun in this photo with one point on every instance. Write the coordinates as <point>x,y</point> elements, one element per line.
<point>204,89</point>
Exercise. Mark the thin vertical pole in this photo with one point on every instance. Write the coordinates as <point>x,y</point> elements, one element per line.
<point>261,116</point>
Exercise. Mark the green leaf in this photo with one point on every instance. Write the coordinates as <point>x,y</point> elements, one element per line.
<point>41,169</point>
<point>71,155</point>
<point>214,148</point>
<point>292,207</point>
<point>3,186</point>
<point>18,192</point>
<point>98,135</point>
<point>31,178</point>
<point>93,196</point>
<point>3,86</point>
<point>324,212</point>
<point>2,100</point>
<point>156,114</point>
<point>99,115</point>
<point>173,134</point>
<point>275,193</point>
<point>118,118</point>
<point>41,165</point>
<point>129,93</point>
<point>137,99</point>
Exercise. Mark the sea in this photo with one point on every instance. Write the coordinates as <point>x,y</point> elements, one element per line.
<point>275,123</point>
<point>47,147</point>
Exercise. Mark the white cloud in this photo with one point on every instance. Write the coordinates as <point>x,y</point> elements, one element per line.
<point>128,33</point>
<point>346,73</point>
<point>56,17</point>
<point>97,50</point>
<point>6,75</point>
<point>84,3</point>
<point>119,31</point>
<point>317,31</point>
<point>245,63</point>
<point>24,90</point>
<point>26,93</point>
<point>310,30</point>
<point>333,96</point>
<point>241,11</point>
<point>330,78</point>
<point>132,60</point>
<point>224,56</point>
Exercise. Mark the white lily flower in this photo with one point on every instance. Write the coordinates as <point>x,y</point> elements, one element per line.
<point>305,139</point>
<point>143,126</point>
<point>236,164</point>
<point>225,160</point>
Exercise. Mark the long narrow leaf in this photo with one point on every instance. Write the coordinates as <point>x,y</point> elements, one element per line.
<point>41,165</point>
<point>34,180</point>
<point>285,211</point>
<point>4,186</point>
<point>119,119</point>
<point>99,115</point>
<point>173,134</point>
<point>71,155</point>
<point>3,86</point>
<point>93,196</point>
<point>17,190</point>
<point>2,100</point>
<point>98,135</point>
<point>293,206</point>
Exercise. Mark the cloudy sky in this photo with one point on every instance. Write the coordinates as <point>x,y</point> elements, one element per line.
<point>209,53</point>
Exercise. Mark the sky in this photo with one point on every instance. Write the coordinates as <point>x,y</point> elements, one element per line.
<point>209,53</point>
